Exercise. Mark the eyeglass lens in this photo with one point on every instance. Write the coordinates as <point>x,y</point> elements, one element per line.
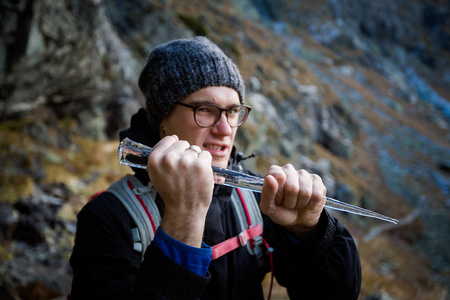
<point>208,115</point>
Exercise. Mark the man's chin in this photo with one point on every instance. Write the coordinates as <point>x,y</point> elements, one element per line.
<point>219,164</point>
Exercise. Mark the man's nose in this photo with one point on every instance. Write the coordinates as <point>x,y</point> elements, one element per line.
<point>222,126</point>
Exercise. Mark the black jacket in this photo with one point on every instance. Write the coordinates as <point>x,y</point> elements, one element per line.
<point>106,267</point>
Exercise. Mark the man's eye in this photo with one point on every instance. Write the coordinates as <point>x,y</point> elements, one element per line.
<point>206,109</point>
<point>234,111</point>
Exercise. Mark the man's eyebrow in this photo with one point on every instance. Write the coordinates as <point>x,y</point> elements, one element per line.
<point>201,102</point>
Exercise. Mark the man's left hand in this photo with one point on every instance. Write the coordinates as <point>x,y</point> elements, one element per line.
<point>293,199</point>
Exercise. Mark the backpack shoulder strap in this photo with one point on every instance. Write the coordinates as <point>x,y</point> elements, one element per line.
<point>250,206</point>
<point>251,223</point>
<point>139,201</point>
<point>244,202</point>
<point>247,208</point>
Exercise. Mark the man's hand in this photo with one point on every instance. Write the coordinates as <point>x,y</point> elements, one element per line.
<point>293,199</point>
<point>184,179</point>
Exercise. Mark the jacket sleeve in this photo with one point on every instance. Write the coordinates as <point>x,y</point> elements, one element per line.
<point>327,268</point>
<point>106,267</point>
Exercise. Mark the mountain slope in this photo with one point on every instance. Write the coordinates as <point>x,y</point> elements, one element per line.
<point>355,91</point>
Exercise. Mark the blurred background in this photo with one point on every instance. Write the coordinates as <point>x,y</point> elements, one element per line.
<point>356,91</point>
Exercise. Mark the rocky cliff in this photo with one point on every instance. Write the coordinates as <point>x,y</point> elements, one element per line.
<point>356,91</point>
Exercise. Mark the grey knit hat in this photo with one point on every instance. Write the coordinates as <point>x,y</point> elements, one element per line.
<point>181,67</point>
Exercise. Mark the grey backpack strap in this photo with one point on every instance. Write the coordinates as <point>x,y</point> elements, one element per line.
<point>252,206</point>
<point>248,204</point>
<point>139,201</point>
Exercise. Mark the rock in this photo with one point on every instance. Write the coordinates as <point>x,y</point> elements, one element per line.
<point>29,230</point>
<point>37,290</point>
<point>38,242</point>
<point>348,194</point>
<point>7,291</point>
<point>8,220</point>
<point>379,296</point>
<point>254,84</point>
<point>444,165</point>
<point>334,134</point>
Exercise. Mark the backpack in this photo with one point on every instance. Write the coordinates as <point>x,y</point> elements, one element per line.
<point>139,200</point>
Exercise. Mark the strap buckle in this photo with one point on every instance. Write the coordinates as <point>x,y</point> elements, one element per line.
<point>242,238</point>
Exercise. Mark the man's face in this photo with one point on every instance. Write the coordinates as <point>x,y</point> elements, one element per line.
<point>217,139</point>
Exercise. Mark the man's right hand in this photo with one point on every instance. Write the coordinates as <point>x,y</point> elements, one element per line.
<point>184,179</point>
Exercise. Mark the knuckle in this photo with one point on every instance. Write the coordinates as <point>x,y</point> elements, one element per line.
<point>303,172</point>
<point>305,192</point>
<point>291,188</point>
<point>185,143</point>
<point>317,194</point>
<point>289,167</point>
<point>152,160</point>
<point>274,169</point>
<point>206,154</point>
<point>167,160</point>
<point>316,177</point>
<point>198,166</point>
<point>184,164</point>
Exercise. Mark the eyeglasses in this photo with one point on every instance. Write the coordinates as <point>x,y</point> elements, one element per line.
<point>206,115</point>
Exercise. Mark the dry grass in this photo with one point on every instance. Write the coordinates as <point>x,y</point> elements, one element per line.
<point>85,167</point>
<point>397,270</point>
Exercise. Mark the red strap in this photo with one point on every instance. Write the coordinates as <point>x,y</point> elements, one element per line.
<point>244,205</point>
<point>237,241</point>
<point>270,250</point>
<point>143,205</point>
<point>95,195</point>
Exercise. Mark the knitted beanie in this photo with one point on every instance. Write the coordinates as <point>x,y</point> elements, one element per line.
<point>181,67</point>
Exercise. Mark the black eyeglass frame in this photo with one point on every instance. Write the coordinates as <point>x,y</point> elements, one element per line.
<point>195,107</point>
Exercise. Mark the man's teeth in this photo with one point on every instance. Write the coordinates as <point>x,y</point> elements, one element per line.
<point>214,147</point>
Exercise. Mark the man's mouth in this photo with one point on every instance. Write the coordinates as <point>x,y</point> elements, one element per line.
<point>214,147</point>
<point>219,153</point>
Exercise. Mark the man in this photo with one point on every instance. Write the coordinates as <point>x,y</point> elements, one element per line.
<point>195,103</point>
